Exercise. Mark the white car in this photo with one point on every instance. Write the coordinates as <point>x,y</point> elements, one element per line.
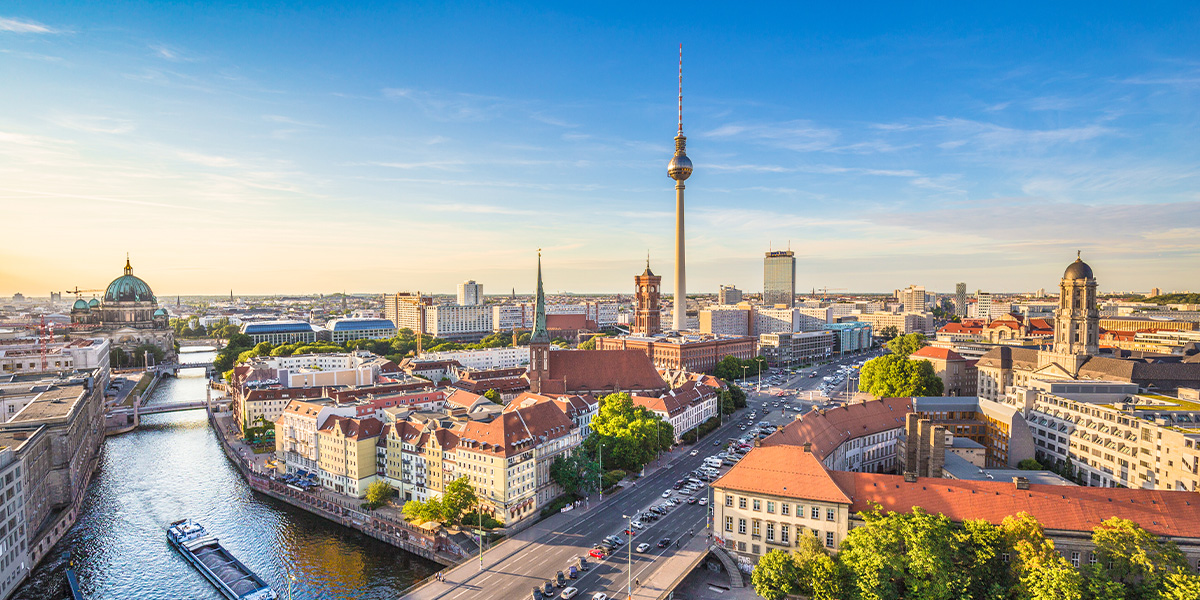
<point>694,452</point>
<point>703,501</point>
<point>569,593</point>
<point>599,596</point>
<point>666,494</point>
<point>643,547</point>
<point>638,525</point>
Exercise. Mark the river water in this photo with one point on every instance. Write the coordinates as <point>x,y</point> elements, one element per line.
<point>171,468</point>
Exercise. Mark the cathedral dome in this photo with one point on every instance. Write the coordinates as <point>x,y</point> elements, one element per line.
<point>1078,270</point>
<point>162,312</point>
<point>93,303</point>
<point>128,288</point>
<point>80,304</point>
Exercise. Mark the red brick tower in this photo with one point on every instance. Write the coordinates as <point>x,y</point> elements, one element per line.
<point>647,314</point>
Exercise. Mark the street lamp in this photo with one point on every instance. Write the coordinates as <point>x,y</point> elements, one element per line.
<point>629,570</point>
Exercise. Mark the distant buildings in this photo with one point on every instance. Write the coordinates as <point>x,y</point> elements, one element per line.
<point>959,375</point>
<point>904,322</point>
<point>960,299</point>
<point>280,332</point>
<point>912,298</point>
<point>788,349</point>
<point>344,330</point>
<point>128,316</point>
<point>728,294</point>
<point>779,278</point>
<point>689,352</point>
<point>851,336</point>
<point>470,293</point>
<point>727,320</point>
<point>685,408</point>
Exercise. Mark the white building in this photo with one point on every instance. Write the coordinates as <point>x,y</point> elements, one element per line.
<point>470,293</point>
<point>344,330</point>
<point>25,356</point>
<point>314,370</point>
<point>507,317</point>
<point>296,431</point>
<point>15,562</point>
<point>726,319</point>
<point>489,358</point>
<point>685,407</point>
<point>451,321</point>
<point>913,298</point>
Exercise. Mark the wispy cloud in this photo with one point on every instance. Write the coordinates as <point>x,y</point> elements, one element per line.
<point>93,123</point>
<point>802,136</point>
<point>451,106</point>
<point>442,165</point>
<point>24,26</point>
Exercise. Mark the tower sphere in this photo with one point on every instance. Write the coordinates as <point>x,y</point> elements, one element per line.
<point>1078,270</point>
<point>680,167</point>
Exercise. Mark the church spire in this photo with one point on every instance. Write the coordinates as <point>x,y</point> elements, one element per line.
<point>128,267</point>
<point>540,334</point>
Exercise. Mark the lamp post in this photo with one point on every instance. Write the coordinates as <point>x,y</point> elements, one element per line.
<point>629,569</point>
<point>600,471</point>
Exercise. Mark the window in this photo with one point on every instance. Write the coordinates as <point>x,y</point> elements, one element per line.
<point>829,514</point>
<point>816,512</point>
<point>728,500</point>
<point>1075,559</point>
<point>770,532</point>
<point>741,546</point>
<point>728,523</point>
<point>741,502</point>
<point>771,507</point>
<point>784,533</point>
<point>829,539</point>
<point>755,549</point>
<point>742,526</point>
<point>757,504</point>
<point>784,508</point>
<point>756,527</point>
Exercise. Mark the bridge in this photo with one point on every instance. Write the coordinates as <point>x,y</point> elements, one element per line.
<point>175,407</point>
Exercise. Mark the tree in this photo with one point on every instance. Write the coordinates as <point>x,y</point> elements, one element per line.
<point>457,499</point>
<point>810,558</point>
<point>873,557</point>
<point>737,395</point>
<point>629,435</point>
<point>494,396</point>
<point>378,494</point>
<point>892,376</point>
<point>422,512</point>
<point>575,472</point>
<point>889,332</point>
<point>1029,464</point>
<point>906,344</point>
<point>138,355</point>
<point>775,576</point>
<point>1181,586</point>
<point>1135,557</point>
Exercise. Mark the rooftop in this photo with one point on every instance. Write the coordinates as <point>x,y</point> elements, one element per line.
<point>360,324</point>
<point>52,403</point>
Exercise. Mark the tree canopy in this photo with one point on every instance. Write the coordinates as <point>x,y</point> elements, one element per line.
<point>893,376</point>
<point>730,367</point>
<point>906,344</point>
<point>456,500</point>
<point>629,435</point>
<point>576,472</point>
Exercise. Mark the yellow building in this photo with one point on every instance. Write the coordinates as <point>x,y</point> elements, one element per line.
<point>346,454</point>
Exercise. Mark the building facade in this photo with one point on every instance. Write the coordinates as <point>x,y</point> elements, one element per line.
<point>344,330</point>
<point>726,320</point>
<point>698,353</point>
<point>280,332</point>
<point>647,313</point>
<point>796,348</point>
<point>779,278</point>
<point>729,294</point>
<point>851,336</point>
<point>470,293</point>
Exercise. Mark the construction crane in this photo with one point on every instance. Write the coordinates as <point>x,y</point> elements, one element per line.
<point>825,291</point>
<point>78,291</point>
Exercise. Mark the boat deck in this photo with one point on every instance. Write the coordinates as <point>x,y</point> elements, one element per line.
<point>227,568</point>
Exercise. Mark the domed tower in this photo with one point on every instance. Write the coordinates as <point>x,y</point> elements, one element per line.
<point>679,169</point>
<point>1077,320</point>
<point>128,300</point>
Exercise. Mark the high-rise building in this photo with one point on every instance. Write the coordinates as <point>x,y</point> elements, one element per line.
<point>729,295</point>
<point>647,314</point>
<point>1155,292</point>
<point>406,310</point>
<point>983,304</point>
<point>779,278</point>
<point>913,298</point>
<point>470,293</point>
<point>679,169</point>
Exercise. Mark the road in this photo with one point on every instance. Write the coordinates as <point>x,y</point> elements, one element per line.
<point>515,576</point>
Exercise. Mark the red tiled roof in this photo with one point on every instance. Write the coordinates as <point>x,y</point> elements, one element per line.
<point>587,370</point>
<point>936,353</point>
<point>518,430</point>
<point>357,429</point>
<point>1063,508</point>
<point>787,471</point>
<point>826,430</point>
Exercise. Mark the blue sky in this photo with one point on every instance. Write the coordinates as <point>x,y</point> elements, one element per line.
<point>303,147</point>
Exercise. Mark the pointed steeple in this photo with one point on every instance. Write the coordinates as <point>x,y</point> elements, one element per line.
<point>540,334</point>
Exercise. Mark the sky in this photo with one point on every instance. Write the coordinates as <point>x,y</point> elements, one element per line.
<point>302,147</point>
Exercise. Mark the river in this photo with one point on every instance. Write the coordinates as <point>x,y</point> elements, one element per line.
<point>171,468</point>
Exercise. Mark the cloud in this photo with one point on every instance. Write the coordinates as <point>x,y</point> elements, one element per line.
<point>23,26</point>
<point>451,106</point>
<point>801,136</point>
<point>444,165</point>
<point>93,124</point>
<point>490,209</point>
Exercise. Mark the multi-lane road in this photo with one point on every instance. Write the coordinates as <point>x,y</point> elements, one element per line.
<point>515,575</point>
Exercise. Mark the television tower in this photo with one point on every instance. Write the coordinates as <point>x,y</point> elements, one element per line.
<point>679,169</point>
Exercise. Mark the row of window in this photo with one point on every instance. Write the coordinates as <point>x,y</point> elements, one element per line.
<point>784,507</point>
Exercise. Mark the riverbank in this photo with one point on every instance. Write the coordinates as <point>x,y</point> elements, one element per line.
<point>341,509</point>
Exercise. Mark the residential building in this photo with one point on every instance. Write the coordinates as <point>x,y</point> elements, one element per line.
<point>779,278</point>
<point>913,298</point>
<point>796,348</point>
<point>314,370</point>
<point>455,322</point>
<point>597,315</point>
<point>779,320</point>
<point>778,493</point>
<point>280,332</point>
<point>344,330</point>
<point>407,310</point>
<point>726,319</point>
<point>855,437</point>
<point>689,352</point>
<point>729,294</point>
<point>470,293</point>
<point>959,375</point>
<point>488,358</point>
<point>14,558</point>
<point>960,299</point>
<point>296,431</point>
<point>851,336</point>
<point>904,322</point>
<point>685,408</point>
<point>346,454</point>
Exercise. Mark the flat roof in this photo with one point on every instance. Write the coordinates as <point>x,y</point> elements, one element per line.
<point>51,404</point>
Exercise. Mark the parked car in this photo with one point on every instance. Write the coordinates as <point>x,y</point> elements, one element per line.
<point>537,593</point>
<point>667,494</point>
<point>599,596</point>
<point>703,501</point>
<point>597,553</point>
<point>548,590</point>
<point>560,579</point>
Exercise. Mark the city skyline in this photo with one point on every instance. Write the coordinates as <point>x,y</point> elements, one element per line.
<point>257,150</point>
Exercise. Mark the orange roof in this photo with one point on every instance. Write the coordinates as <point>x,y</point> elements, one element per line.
<point>607,370</point>
<point>357,429</point>
<point>936,353</point>
<point>1063,508</point>
<point>828,429</point>
<point>787,471</point>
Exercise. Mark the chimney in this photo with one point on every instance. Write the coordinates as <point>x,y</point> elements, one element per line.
<point>910,477</point>
<point>1021,482</point>
<point>808,446</point>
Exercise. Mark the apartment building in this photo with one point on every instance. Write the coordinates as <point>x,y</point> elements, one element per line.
<point>796,348</point>
<point>1000,428</point>
<point>346,457</point>
<point>685,408</point>
<point>959,375</point>
<point>406,310</point>
<point>726,319</point>
<point>728,295</point>
<point>904,322</point>
<point>14,558</point>
<point>455,322</point>
<point>296,431</point>
<point>912,298</point>
<point>487,358</point>
<point>851,336</point>
<point>856,437</point>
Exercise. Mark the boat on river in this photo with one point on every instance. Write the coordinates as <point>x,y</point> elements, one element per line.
<point>228,574</point>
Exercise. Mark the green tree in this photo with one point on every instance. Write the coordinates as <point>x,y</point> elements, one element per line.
<point>1181,586</point>
<point>423,512</point>
<point>494,396</point>
<point>775,576</point>
<point>1030,464</point>
<point>1098,586</point>
<point>810,559</point>
<point>629,435</point>
<point>737,395</point>
<point>892,376</point>
<point>873,557</point>
<point>378,494</point>
<point>889,332</point>
<point>138,355</point>
<point>906,344</point>
<point>575,472</point>
<point>457,499</point>
<point>1135,557</point>
<point>590,343</point>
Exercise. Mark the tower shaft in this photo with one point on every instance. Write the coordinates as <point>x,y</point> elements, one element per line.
<point>679,318</point>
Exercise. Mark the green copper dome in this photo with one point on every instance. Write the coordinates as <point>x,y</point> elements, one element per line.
<point>128,288</point>
<point>162,312</point>
<point>93,303</point>
<point>80,304</point>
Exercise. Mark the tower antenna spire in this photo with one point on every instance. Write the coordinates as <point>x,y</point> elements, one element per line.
<point>680,89</point>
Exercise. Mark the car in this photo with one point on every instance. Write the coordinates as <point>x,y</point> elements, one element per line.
<point>560,579</point>
<point>537,593</point>
<point>691,500</point>
<point>694,452</point>
<point>667,494</point>
<point>663,543</point>
<point>643,547</point>
<point>703,501</point>
<point>548,590</point>
<point>569,593</point>
<point>717,443</point>
<point>638,525</point>
<point>597,553</point>
<point>599,596</point>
